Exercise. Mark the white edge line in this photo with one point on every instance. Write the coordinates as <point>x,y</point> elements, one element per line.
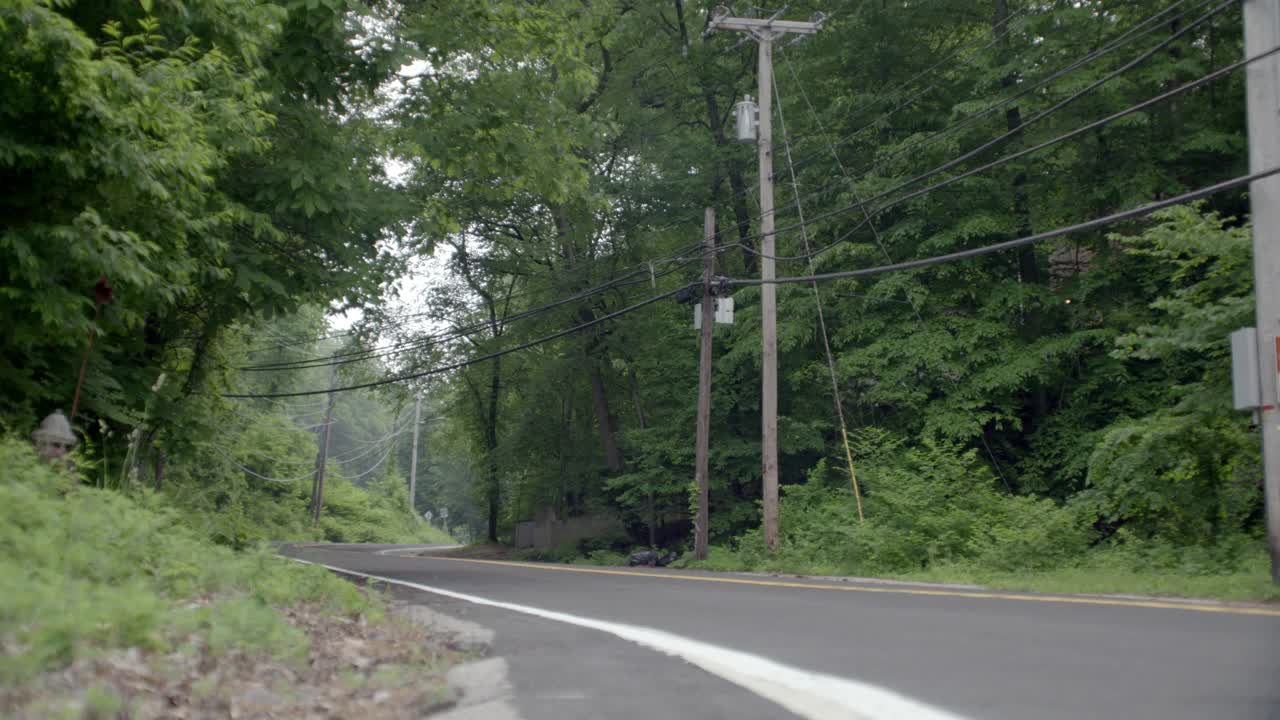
<point>812,695</point>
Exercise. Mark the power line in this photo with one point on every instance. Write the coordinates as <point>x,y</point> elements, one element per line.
<point>750,190</point>
<point>1115,44</point>
<point>1122,40</point>
<point>1007,135</point>
<point>942,168</point>
<point>875,232</point>
<point>694,214</point>
<point>1009,28</point>
<point>1022,153</point>
<point>836,396</point>
<point>473,361</point>
<point>1019,242</point>
<point>464,331</point>
<point>372,467</point>
<point>1035,118</point>
<point>249,471</point>
<point>398,321</point>
<point>907,297</point>
<point>361,354</point>
<point>640,268</point>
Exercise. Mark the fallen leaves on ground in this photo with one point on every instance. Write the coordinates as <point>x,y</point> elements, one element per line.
<point>390,670</point>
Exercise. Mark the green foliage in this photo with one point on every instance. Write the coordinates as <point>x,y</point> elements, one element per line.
<point>173,151</point>
<point>90,569</point>
<point>1186,478</point>
<point>222,163</point>
<point>1188,471</point>
<point>925,506</point>
<point>379,514</point>
<point>1236,569</point>
<point>1040,399</point>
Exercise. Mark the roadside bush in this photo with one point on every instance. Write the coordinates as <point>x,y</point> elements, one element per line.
<point>1184,478</point>
<point>84,569</point>
<point>934,504</point>
<point>1033,534</point>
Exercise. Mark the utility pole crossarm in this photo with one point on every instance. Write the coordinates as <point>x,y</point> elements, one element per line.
<point>777,27</point>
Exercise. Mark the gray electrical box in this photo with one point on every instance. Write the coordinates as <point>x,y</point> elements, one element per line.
<point>1244,369</point>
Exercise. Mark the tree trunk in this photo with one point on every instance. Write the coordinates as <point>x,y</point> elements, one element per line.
<point>612,456</point>
<point>1028,264</point>
<point>594,356</point>
<point>158,467</point>
<point>644,423</point>
<point>493,494</point>
<point>566,437</point>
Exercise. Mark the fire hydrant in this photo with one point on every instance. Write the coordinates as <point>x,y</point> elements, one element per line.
<point>54,438</point>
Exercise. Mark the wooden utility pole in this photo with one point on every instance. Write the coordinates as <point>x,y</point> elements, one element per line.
<point>765,30</point>
<point>322,456</point>
<point>1262,33</point>
<point>413,460</point>
<point>703,439</point>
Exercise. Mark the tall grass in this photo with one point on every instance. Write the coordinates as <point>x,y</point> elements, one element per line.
<point>86,569</point>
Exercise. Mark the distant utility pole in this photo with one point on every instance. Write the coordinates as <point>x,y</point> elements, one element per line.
<point>1262,33</point>
<point>413,461</point>
<point>765,30</point>
<point>703,440</point>
<point>322,456</point>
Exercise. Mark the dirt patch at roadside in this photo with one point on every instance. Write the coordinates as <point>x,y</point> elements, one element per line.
<point>355,669</point>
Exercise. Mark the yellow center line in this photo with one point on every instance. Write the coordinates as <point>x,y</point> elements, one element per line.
<point>983,595</point>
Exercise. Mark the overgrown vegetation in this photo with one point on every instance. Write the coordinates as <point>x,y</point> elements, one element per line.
<point>935,514</point>
<point>1056,411</point>
<point>1052,412</point>
<point>188,187</point>
<point>90,569</point>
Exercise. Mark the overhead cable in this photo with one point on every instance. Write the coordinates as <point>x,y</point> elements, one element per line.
<point>1226,70</point>
<point>836,395</point>
<point>472,361</point>
<point>1019,242</point>
<point>409,345</point>
<point>1040,116</point>
<point>249,471</point>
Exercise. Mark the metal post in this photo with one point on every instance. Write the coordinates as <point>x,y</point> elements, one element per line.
<point>1262,33</point>
<point>768,298</point>
<point>765,30</point>
<point>703,439</point>
<point>413,460</point>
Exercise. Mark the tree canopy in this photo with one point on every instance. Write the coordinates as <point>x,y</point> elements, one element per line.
<point>225,166</point>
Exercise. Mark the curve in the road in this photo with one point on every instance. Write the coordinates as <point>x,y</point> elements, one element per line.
<point>812,695</point>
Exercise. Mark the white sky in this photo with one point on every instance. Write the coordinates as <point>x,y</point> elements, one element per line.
<point>406,291</point>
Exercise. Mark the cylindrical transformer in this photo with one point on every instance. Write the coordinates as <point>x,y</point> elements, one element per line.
<point>748,117</point>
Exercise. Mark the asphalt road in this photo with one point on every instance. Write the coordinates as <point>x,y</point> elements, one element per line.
<point>974,654</point>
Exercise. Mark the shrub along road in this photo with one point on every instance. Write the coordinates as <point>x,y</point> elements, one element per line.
<point>976,654</point>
